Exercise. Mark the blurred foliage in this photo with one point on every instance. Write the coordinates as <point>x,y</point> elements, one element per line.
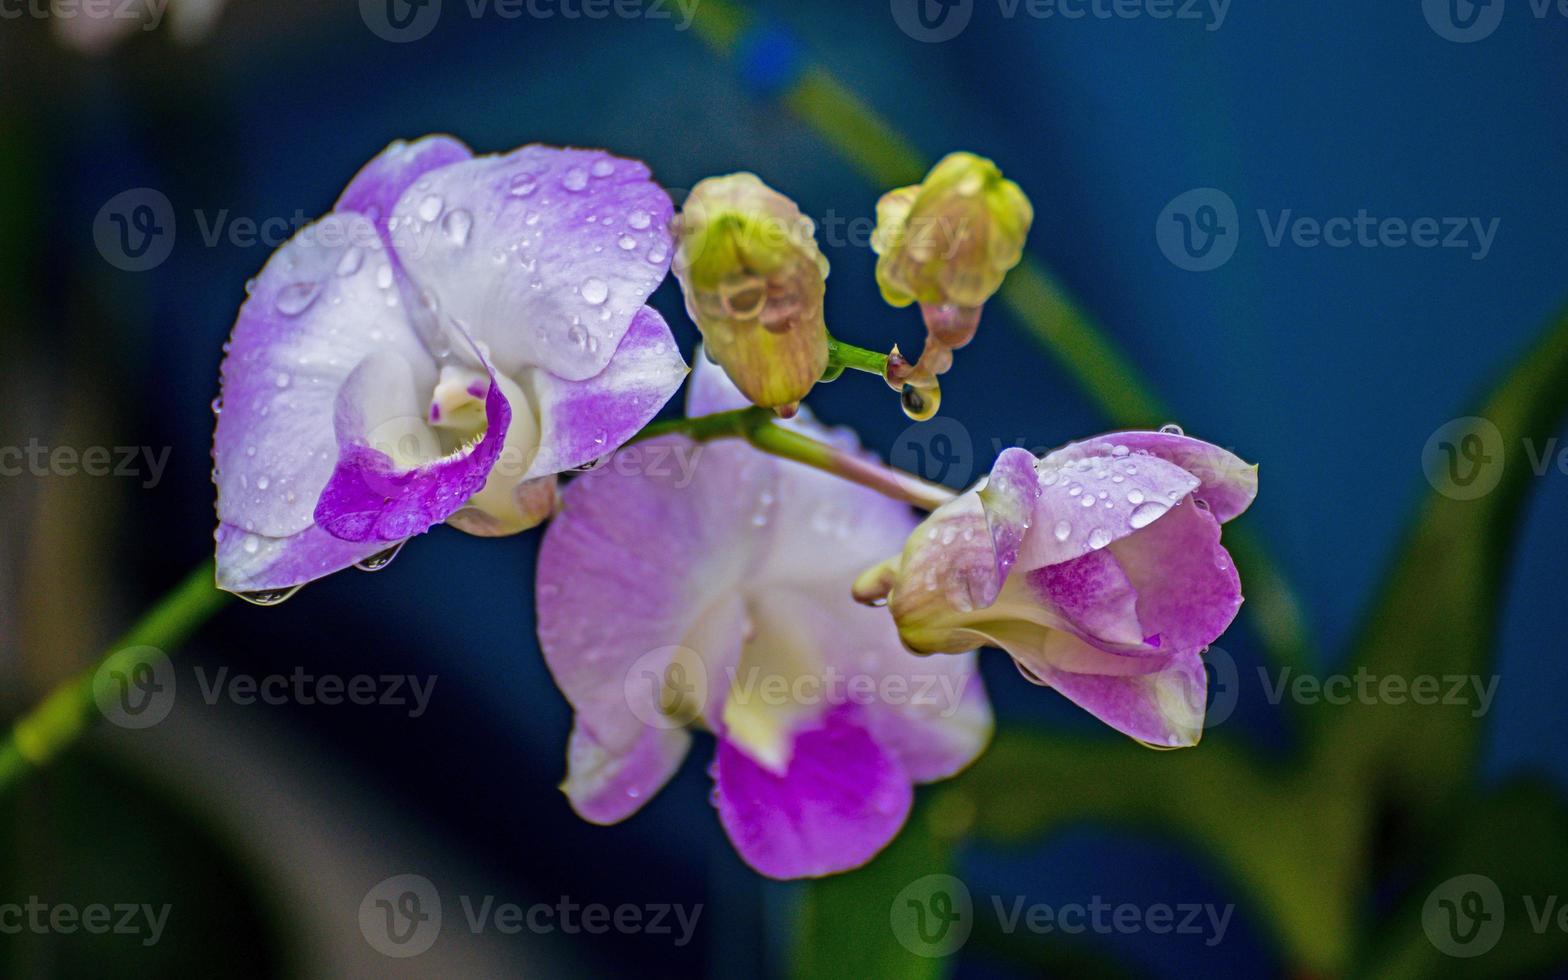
<point>87,830</point>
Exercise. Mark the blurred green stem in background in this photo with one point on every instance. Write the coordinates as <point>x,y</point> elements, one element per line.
<point>1037,301</point>
<point>51,726</point>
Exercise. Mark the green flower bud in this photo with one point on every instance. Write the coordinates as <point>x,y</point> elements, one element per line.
<point>947,242</point>
<point>753,277</point>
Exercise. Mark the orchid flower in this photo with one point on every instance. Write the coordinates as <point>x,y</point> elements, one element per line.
<point>1099,568</point>
<point>456,332</point>
<point>717,596</point>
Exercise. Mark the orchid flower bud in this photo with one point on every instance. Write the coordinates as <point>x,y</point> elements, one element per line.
<point>748,263</point>
<point>946,243</point>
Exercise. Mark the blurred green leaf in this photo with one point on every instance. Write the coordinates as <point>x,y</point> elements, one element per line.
<point>1438,614</point>
<point>1293,852</point>
<point>1508,922</point>
<point>845,925</point>
<point>87,832</point>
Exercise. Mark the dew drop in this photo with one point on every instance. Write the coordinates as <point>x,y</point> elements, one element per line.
<point>575,180</point>
<point>1146,513</point>
<point>627,243</point>
<point>269,597</point>
<point>380,559</point>
<point>1135,497</point>
<point>351,261</point>
<point>251,544</point>
<point>639,219</point>
<point>595,290</point>
<point>430,207</point>
<point>457,225</point>
<point>1063,530</point>
<point>1172,429</point>
<point>920,404</point>
<point>1099,538</point>
<point>523,185</point>
<point>296,299</point>
<point>1087,500</point>
<point>602,168</point>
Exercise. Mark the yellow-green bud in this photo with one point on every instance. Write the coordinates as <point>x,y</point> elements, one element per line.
<point>948,241</point>
<point>748,263</point>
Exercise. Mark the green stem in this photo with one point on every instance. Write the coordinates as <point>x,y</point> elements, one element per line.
<point>842,356</point>
<point>757,426</point>
<point>40,734</point>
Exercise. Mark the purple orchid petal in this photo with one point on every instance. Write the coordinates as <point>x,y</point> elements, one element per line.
<point>318,308</point>
<point>606,787</point>
<point>1093,597</point>
<point>582,421</point>
<point>1188,589</point>
<point>840,802</point>
<point>641,560</point>
<point>249,562</point>
<point>545,255</point>
<point>375,190</point>
<point>1088,501</point>
<point>372,496</point>
<point>1164,708</point>
<point>1226,483</point>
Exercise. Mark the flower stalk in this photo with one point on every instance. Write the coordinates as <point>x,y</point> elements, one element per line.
<point>55,723</point>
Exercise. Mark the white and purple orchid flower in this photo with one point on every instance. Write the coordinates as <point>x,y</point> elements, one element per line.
<point>456,332</point>
<point>716,594</point>
<point>1099,568</point>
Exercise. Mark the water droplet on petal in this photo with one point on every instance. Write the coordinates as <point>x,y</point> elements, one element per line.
<point>351,261</point>
<point>295,299</point>
<point>380,559</point>
<point>575,180</point>
<point>269,597</point>
<point>1172,429</point>
<point>430,207</point>
<point>595,290</point>
<point>1099,538</point>
<point>456,225</point>
<point>1146,513</point>
<point>602,168</point>
<point>639,219</point>
<point>523,185</point>
<point>1063,530</point>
